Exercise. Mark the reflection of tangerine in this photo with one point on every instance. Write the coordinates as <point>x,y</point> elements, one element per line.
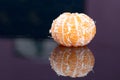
<point>73,29</point>
<point>73,62</point>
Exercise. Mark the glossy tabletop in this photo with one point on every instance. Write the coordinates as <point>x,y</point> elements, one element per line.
<point>29,59</point>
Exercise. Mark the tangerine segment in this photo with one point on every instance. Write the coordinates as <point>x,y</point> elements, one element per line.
<point>73,29</point>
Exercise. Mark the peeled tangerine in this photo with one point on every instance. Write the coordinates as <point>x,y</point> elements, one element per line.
<point>73,29</point>
<point>71,61</point>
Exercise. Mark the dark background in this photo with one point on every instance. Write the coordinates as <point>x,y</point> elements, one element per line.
<point>33,18</point>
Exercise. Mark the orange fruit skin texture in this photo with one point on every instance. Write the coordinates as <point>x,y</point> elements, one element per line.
<point>73,29</point>
<point>71,61</point>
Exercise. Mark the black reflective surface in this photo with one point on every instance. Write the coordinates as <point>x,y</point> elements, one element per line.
<point>28,59</point>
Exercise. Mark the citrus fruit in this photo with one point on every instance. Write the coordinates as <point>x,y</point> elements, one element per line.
<point>73,29</point>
